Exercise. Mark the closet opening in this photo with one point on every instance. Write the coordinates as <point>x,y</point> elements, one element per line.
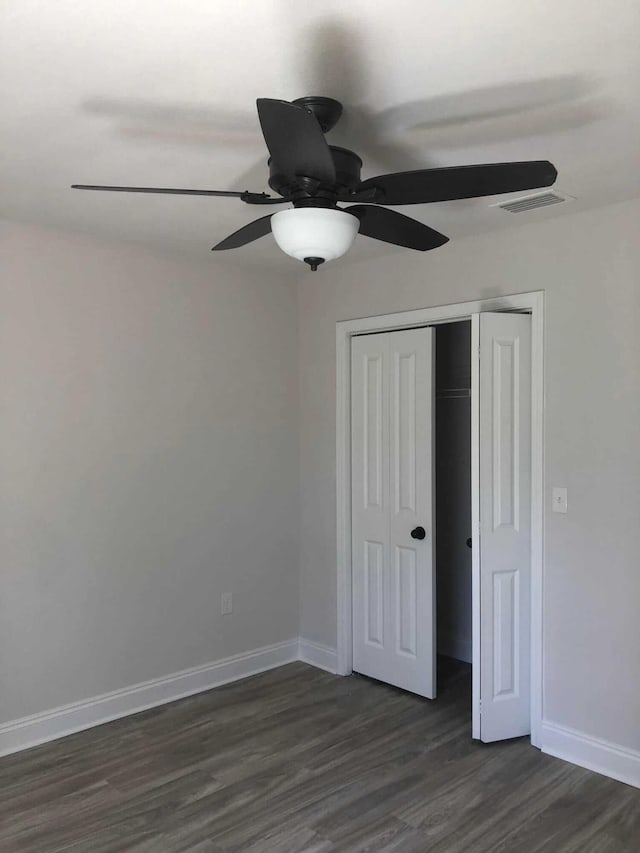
<point>453,502</point>
<point>408,435</point>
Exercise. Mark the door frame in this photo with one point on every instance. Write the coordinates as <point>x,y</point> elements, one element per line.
<point>533,303</point>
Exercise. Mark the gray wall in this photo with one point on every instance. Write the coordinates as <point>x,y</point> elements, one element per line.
<point>589,266</point>
<point>453,490</point>
<point>149,454</point>
<point>148,463</point>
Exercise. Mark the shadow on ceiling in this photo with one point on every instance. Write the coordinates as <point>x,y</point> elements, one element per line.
<point>328,60</point>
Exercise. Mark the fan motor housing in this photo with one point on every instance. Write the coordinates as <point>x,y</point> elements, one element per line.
<point>301,187</point>
<point>326,110</point>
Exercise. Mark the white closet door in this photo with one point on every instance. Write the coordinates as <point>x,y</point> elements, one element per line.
<point>392,496</point>
<point>503,451</point>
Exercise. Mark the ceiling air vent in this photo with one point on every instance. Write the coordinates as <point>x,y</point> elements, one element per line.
<point>531,202</point>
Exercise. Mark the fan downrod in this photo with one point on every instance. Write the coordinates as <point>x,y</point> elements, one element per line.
<point>326,110</point>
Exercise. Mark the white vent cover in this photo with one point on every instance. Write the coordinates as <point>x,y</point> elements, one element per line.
<point>531,202</point>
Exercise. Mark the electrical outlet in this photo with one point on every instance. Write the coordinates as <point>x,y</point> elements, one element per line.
<point>226,603</point>
<point>559,499</point>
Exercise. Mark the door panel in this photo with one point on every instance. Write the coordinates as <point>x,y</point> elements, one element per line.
<point>374,592</point>
<point>372,432</point>
<point>404,431</point>
<point>406,617</point>
<point>503,532</point>
<point>392,482</point>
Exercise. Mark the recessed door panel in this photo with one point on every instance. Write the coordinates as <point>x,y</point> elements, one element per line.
<point>506,630</point>
<point>406,600</point>
<point>374,593</point>
<point>372,432</point>
<point>404,415</point>
<point>506,433</point>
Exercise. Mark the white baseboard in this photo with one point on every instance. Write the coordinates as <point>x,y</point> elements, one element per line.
<point>316,654</point>
<point>604,757</point>
<point>58,722</point>
<point>601,756</point>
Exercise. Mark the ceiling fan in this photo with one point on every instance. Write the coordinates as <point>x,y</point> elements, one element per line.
<point>314,177</point>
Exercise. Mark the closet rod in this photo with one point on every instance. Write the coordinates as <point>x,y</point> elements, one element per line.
<point>453,393</point>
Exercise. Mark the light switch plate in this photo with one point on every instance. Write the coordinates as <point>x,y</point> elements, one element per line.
<point>559,499</point>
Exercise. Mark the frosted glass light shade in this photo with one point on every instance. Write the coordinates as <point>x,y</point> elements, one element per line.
<point>314,232</point>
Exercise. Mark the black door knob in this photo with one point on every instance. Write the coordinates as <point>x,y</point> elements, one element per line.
<point>418,533</point>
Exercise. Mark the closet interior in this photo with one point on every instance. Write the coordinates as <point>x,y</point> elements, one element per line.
<point>453,492</point>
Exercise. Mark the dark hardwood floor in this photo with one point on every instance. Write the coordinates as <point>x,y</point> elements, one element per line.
<point>299,760</point>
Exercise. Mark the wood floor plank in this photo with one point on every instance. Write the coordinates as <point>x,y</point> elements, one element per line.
<point>384,834</point>
<point>297,760</point>
<point>574,818</point>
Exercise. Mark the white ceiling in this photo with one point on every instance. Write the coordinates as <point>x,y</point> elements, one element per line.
<point>162,93</point>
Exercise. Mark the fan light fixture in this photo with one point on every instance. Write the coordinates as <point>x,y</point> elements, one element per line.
<point>313,176</point>
<point>314,234</point>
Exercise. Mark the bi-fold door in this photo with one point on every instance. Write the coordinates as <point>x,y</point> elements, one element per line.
<point>502,529</point>
<point>393,549</point>
<point>392,509</point>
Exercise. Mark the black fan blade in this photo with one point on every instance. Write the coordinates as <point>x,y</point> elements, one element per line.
<point>453,182</point>
<point>295,141</point>
<point>249,198</point>
<point>393,227</point>
<point>247,234</point>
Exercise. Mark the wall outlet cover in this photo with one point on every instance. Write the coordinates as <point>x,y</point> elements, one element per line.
<point>559,499</point>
